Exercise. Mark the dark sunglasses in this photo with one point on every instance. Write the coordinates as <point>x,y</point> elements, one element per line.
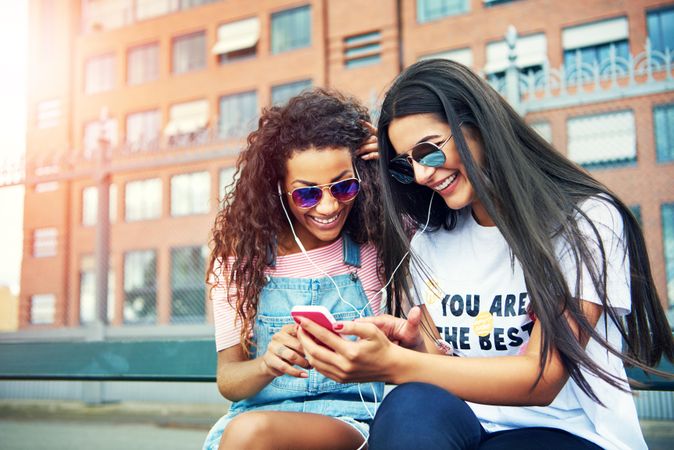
<point>425,153</point>
<point>343,191</point>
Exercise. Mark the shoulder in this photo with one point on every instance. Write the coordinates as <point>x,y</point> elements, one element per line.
<point>601,209</point>
<point>599,215</point>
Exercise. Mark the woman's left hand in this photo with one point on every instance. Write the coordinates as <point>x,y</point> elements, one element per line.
<point>370,148</point>
<point>369,358</point>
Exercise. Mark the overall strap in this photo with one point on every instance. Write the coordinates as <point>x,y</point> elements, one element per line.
<point>351,251</point>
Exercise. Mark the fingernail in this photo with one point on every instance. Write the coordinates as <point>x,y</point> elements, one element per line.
<point>304,375</point>
<point>338,326</point>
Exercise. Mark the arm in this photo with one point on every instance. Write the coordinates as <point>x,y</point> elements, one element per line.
<point>239,378</point>
<point>506,380</point>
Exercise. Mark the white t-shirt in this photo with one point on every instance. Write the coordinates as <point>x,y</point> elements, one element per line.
<point>481,308</point>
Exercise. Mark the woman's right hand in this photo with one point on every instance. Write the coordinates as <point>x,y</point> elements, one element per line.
<point>404,332</point>
<point>370,148</point>
<point>283,353</point>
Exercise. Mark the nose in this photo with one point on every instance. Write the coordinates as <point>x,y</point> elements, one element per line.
<point>328,204</point>
<point>422,174</point>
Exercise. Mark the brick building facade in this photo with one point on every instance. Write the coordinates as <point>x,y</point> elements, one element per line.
<point>155,98</point>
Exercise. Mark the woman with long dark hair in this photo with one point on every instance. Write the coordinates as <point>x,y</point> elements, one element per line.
<point>528,269</point>
<point>301,226</point>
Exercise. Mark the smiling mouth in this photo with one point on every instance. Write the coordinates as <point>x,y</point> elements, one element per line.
<point>326,221</point>
<point>443,185</point>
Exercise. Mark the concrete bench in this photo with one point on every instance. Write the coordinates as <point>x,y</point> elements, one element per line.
<point>142,360</point>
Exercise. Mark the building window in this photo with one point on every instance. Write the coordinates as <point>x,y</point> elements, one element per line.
<point>281,93</point>
<point>428,10</point>
<point>661,29</point>
<point>238,113</point>
<point>531,54</point>
<point>668,246</point>
<point>142,64</point>
<point>88,291</point>
<point>226,181</point>
<point>47,186</point>
<point>45,242</point>
<point>189,52</point>
<point>291,29</point>
<point>489,3</point>
<point>42,309</point>
<point>543,129</point>
<point>143,200</point>
<point>147,9</point>
<point>187,4</point>
<point>663,118</point>
<point>143,130</point>
<point>90,205</point>
<point>590,44</point>
<point>48,113</point>
<point>100,74</point>
<point>362,49</point>
<point>237,40</point>
<point>462,55</point>
<point>186,121</point>
<point>602,140</point>
<point>94,131</point>
<point>190,193</point>
<point>99,15</point>
<point>140,290</point>
<point>188,291</point>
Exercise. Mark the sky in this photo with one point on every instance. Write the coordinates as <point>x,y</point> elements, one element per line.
<point>13,48</point>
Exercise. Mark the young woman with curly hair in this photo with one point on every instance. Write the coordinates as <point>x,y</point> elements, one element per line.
<point>299,179</point>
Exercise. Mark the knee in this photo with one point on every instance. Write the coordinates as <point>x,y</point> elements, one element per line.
<point>247,430</point>
<point>423,416</point>
<point>420,397</point>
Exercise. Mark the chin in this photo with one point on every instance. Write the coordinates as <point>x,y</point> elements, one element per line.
<point>327,236</point>
<point>456,204</point>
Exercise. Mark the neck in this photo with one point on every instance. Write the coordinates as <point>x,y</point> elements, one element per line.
<point>288,246</point>
<point>480,214</point>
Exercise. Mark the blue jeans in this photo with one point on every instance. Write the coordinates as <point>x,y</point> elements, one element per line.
<point>419,415</point>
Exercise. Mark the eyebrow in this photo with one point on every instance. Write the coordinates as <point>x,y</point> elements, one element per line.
<point>426,138</point>
<point>313,183</point>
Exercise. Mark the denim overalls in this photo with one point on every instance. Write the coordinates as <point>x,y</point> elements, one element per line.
<point>315,394</point>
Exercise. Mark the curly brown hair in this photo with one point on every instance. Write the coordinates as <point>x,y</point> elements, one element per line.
<point>251,218</point>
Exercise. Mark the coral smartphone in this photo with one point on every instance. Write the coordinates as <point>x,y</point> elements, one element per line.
<point>316,313</point>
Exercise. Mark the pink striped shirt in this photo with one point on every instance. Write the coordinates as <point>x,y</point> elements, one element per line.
<point>296,265</point>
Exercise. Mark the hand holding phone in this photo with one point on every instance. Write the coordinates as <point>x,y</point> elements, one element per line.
<point>316,313</point>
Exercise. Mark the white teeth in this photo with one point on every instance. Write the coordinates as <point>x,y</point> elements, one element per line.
<point>326,221</point>
<point>446,183</point>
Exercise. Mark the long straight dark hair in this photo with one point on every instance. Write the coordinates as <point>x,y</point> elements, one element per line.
<point>532,193</point>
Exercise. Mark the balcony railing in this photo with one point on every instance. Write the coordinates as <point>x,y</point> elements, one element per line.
<point>648,72</point>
